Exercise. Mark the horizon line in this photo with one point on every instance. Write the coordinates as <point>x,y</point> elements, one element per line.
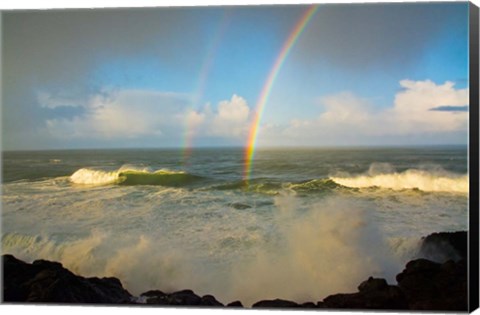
<point>243,147</point>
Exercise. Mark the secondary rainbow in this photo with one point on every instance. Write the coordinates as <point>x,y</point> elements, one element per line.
<point>207,64</point>
<point>267,87</point>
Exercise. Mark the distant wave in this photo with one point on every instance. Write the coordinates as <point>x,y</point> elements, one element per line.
<point>410,179</point>
<point>132,176</point>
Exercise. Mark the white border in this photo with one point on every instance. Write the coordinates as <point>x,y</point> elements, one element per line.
<point>49,4</point>
<point>74,310</point>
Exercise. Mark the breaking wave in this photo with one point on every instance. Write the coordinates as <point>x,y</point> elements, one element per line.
<point>430,181</point>
<point>131,176</point>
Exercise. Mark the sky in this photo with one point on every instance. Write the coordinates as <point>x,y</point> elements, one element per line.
<point>370,74</point>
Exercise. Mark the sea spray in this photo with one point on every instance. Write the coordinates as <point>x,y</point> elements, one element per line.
<point>135,261</point>
<point>331,248</point>
<point>307,254</point>
<point>77,255</point>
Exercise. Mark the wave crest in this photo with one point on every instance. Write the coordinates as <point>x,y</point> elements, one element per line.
<point>87,176</point>
<point>410,179</point>
<point>131,176</point>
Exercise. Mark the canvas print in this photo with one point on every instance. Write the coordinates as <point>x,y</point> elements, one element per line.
<point>268,156</point>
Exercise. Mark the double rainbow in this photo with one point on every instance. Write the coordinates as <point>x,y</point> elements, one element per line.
<point>267,88</point>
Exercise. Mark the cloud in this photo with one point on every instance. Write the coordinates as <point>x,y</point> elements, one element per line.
<point>47,100</point>
<point>131,114</point>
<point>121,114</point>
<point>421,110</point>
<point>60,50</point>
<point>450,108</point>
<point>412,114</point>
<point>350,119</point>
<point>231,119</point>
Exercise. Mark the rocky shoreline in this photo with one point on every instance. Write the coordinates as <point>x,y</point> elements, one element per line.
<point>422,285</point>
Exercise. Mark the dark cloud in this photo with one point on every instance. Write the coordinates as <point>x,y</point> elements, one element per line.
<point>57,50</point>
<point>450,108</point>
<point>378,35</point>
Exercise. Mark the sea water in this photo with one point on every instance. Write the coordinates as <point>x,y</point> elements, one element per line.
<point>307,223</point>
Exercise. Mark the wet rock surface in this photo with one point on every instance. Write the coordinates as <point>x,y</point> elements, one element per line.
<point>444,246</point>
<point>373,293</point>
<point>235,304</point>
<point>277,303</point>
<point>183,297</point>
<point>48,282</point>
<point>432,286</point>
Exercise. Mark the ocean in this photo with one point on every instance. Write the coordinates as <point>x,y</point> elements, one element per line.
<point>308,223</point>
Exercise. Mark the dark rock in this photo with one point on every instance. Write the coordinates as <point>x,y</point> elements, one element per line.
<point>308,305</point>
<point>432,286</point>
<point>184,297</point>
<point>152,293</point>
<point>373,294</point>
<point>373,284</point>
<point>423,285</point>
<point>422,269</point>
<point>209,300</point>
<point>444,246</point>
<point>155,297</point>
<point>277,303</point>
<point>15,273</point>
<point>344,300</point>
<point>48,282</point>
<point>111,288</point>
<point>235,304</point>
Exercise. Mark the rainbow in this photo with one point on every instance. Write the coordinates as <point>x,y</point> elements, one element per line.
<point>267,87</point>
<point>207,64</point>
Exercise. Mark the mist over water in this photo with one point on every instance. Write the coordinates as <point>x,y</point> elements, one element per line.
<point>311,222</point>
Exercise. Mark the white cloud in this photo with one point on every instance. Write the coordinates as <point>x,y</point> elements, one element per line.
<point>232,118</point>
<point>121,114</point>
<point>350,119</point>
<point>193,121</point>
<point>346,118</point>
<point>129,114</point>
<point>412,109</point>
<point>47,100</point>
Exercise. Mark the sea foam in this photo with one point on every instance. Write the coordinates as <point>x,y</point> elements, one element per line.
<point>431,181</point>
<point>131,176</point>
<point>87,176</point>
